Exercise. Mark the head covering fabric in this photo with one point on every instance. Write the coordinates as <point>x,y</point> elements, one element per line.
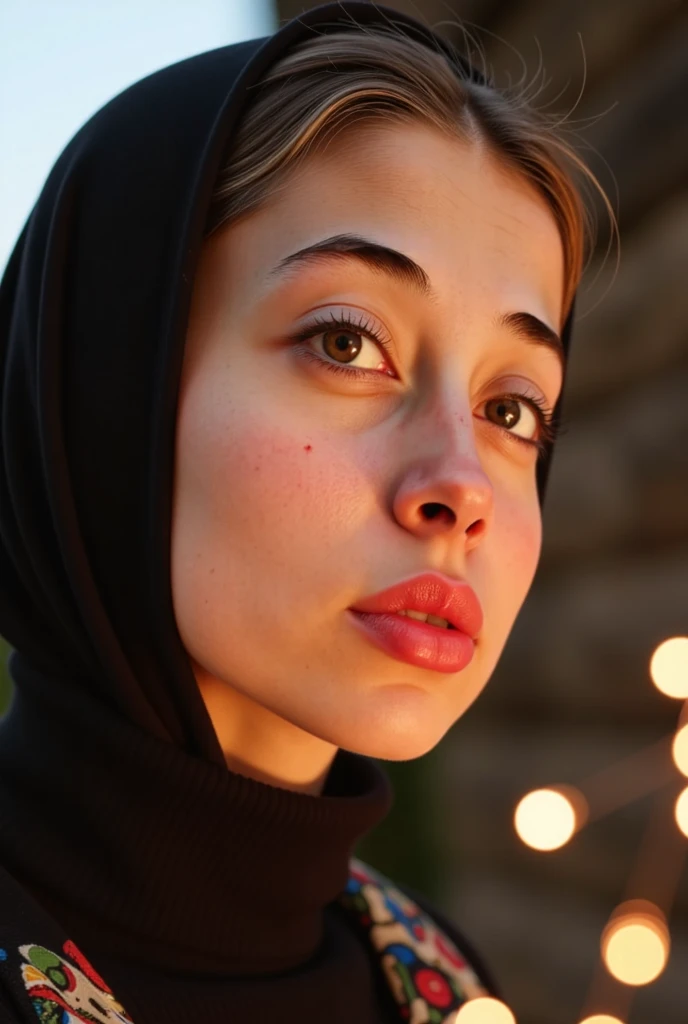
<point>93,313</point>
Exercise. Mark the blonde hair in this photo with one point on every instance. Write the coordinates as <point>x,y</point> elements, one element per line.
<point>344,80</point>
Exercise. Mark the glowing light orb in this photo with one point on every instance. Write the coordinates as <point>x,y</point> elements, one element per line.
<point>545,819</point>
<point>635,944</point>
<point>601,1018</point>
<point>679,750</point>
<point>485,1011</point>
<point>669,667</point>
<point>681,811</point>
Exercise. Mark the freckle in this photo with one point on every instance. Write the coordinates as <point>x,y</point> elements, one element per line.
<point>308,447</point>
<point>212,570</point>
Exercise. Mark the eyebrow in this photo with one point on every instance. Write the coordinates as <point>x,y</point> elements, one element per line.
<point>402,268</point>
<point>534,330</point>
<point>375,256</point>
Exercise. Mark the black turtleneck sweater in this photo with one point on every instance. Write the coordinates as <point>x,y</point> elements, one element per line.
<point>196,893</point>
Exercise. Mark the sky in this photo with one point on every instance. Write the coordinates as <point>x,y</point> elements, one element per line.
<point>60,60</point>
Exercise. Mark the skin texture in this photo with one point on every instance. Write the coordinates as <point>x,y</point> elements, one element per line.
<point>299,492</point>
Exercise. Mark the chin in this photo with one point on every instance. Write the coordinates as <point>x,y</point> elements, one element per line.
<point>393,747</point>
<point>405,722</point>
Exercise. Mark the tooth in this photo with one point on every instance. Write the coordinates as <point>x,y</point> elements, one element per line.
<point>421,616</point>
<point>435,620</point>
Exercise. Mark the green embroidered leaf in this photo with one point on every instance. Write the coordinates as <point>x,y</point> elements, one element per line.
<point>58,977</point>
<point>43,958</point>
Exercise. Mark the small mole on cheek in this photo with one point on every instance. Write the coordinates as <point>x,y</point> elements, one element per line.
<point>308,447</point>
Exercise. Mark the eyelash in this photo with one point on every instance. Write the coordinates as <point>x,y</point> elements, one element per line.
<point>548,429</point>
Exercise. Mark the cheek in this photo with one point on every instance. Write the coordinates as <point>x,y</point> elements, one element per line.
<point>263,505</point>
<point>517,546</point>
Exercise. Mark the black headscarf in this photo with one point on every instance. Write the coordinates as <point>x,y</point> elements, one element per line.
<point>93,314</point>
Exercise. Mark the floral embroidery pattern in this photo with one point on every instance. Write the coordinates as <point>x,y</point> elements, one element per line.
<point>427,974</point>
<point>66,989</point>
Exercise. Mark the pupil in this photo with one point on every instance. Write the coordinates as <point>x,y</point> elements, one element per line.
<point>342,343</point>
<point>506,410</point>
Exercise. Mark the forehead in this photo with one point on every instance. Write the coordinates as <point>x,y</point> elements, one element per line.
<point>479,230</point>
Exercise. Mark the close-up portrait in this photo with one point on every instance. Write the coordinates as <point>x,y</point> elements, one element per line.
<point>344,512</point>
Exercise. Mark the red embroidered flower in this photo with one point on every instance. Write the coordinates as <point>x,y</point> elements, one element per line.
<point>419,931</point>
<point>449,952</point>
<point>433,987</point>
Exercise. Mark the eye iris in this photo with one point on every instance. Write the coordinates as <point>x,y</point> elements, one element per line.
<point>339,343</point>
<point>506,410</point>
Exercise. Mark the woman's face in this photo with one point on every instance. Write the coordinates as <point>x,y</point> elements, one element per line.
<point>302,488</point>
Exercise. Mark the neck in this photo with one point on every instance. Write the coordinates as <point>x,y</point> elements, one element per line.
<point>260,744</point>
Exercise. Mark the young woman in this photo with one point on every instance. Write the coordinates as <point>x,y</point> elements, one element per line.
<point>283,347</point>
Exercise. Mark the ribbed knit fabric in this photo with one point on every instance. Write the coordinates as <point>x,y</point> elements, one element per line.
<point>190,888</point>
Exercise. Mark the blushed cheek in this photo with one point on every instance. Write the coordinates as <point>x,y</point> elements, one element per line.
<point>519,544</point>
<point>270,501</point>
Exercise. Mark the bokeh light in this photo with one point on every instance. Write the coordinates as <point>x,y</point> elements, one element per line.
<point>679,750</point>
<point>681,811</point>
<point>635,944</point>
<point>485,1011</point>
<point>601,1018</point>
<point>669,667</point>
<point>545,819</point>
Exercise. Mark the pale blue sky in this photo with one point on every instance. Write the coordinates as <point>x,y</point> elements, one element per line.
<point>62,59</point>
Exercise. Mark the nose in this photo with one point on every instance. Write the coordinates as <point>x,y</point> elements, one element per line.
<point>443,489</point>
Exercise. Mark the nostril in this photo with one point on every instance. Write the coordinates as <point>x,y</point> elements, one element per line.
<point>476,528</point>
<point>436,510</point>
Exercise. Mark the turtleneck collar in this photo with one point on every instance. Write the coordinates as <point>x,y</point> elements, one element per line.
<point>144,852</point>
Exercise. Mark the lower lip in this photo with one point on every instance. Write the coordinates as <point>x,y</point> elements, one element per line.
<point>418,643</point>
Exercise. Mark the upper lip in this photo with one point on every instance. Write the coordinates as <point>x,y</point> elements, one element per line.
<point>434,594</point>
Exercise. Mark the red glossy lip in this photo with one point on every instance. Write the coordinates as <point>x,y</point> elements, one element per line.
<point>420,643</point>
<point>434,594</point>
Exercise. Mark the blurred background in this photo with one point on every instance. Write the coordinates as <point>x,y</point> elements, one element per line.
<point>572,701</point>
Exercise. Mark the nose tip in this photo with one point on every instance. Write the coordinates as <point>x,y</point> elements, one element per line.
<point>456,504</point>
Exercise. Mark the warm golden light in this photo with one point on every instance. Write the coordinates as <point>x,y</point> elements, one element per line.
<point>679,750</point>
<point>669,667</point>
<point>485,1011</point>
<point>545,819</point>
<point>635,944</point>
<point>601,1018</point>
<point>681,811</point>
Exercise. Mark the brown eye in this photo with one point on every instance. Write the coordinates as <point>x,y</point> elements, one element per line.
<point>342,345</point>
<point>510,413</point>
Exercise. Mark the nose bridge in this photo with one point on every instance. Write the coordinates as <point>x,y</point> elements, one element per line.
<point>444,426</point>
<point>443,485</point>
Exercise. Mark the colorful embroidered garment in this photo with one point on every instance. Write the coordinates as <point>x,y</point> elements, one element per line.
<point>428,976</point>
<point>63,988</point>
